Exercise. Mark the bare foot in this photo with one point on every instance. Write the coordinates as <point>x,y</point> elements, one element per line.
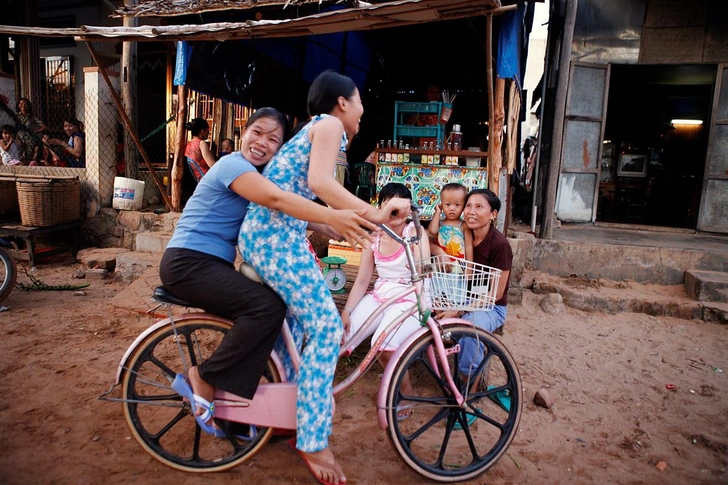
<point>322,465</point>
<point>200,387</point>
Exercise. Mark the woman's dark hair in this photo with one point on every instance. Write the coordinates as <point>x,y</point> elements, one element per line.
<point>493,200</point>
<point>197,125</point>
<point>9,128</point>
<point>269,112</point>
<point>73,121</point>
<point>392,190</point>
<point>325,91</point>
<point>27,102</point>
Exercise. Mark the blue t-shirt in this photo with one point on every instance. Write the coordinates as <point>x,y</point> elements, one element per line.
<point>211,220</point>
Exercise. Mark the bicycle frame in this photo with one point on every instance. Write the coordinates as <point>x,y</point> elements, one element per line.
<point>274,404</point>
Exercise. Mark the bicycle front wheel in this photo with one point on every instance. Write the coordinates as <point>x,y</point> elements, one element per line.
<point>158,418</point>
<point>432,433</point>
<point>8,274</point>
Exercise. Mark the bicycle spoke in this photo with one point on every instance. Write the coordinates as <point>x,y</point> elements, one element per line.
<point>165,429</point>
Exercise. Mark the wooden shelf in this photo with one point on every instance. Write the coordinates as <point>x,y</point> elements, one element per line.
<point>459,153</point>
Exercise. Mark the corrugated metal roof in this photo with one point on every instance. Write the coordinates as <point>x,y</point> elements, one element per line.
<point>364,17</point>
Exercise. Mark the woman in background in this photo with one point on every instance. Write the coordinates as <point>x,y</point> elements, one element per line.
<point>198,153</point>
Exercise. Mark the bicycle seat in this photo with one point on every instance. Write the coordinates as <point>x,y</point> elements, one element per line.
<point>162,295</point>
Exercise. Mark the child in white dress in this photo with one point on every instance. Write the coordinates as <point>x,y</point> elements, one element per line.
<point>9,146</point>
<point>393,275</point>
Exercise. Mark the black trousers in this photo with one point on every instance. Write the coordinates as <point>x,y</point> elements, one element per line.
<point>212,284</point>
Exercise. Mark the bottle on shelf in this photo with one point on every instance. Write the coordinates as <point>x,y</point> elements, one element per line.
<point>380,158</point>
<point>436,156</point>
<point>388,154</point>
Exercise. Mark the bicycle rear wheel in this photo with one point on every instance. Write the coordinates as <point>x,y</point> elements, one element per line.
<point>158,418</point>
<point>8,274</point>
<point>436,437</point>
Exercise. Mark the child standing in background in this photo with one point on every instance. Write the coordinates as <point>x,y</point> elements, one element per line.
<point>9,146</point>
<point>450,236</point>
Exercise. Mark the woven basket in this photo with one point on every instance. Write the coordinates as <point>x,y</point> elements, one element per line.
<point>49,202</point>
<point>8,197</point>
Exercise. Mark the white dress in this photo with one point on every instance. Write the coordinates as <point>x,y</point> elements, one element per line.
<point>393,277</point>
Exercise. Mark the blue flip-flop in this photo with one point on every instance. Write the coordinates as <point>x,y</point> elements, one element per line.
<point>501,398</point>
<point>251,434</point>
<point>181,386</point>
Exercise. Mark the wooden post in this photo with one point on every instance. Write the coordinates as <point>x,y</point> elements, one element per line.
<point>549,203</point>
<point>127,123</point>
<point>179,149</point>
<point>495,155</point>
<point>492,172</point>
<point>129,96</point>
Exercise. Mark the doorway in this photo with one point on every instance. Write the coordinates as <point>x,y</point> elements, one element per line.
<point>655,144</point>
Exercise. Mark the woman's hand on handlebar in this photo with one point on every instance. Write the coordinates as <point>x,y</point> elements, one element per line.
<point>352,227</point>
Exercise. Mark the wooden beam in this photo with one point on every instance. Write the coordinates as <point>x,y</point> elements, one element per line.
<point>179,149</point>
<point>549,204</point>
<point>129,97</point>
<point>492,173</point>
<point>127,123</point>
<point>496,153</point>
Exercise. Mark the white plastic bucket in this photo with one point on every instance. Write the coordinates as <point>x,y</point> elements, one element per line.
<point>128,194</point>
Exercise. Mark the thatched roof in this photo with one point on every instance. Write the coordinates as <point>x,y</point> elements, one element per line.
<point>365,17</point>
<point>171,8</point>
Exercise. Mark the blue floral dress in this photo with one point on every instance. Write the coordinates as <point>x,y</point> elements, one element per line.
<point>274,244</point>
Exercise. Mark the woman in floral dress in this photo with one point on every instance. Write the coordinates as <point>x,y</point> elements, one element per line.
<point>274,244</point>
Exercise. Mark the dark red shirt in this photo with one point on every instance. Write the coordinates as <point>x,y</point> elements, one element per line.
<point>495,251</point>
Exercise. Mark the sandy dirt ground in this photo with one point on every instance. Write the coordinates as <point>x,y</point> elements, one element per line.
<point>613,421</point>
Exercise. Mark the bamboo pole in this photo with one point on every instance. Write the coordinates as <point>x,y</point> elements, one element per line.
<point>179,149</point>
<point>127,123</point>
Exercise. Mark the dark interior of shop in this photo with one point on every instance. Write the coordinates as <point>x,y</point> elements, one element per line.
<point>652,163</point>
<point>388,65</point>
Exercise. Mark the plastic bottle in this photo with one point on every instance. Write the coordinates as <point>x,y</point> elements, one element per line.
<point>456,137</point>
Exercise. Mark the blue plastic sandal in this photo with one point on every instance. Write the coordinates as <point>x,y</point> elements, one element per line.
<point>181,386</point>
<point>501,398</point>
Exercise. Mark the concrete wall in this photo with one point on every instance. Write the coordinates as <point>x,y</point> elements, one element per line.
<point>661,266</point>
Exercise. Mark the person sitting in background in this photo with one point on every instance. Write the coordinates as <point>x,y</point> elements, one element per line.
<point>72,151</point>
<point>29,129</point>
<point>9,146</point>
<point>198,150</point>
<point>44,156</point>
<point>226,147</point>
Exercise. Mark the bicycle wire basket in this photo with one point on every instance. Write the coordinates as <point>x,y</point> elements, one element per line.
<point>458,284</point>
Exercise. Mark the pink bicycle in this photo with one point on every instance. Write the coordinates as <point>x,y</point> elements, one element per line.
<point>450,427</point>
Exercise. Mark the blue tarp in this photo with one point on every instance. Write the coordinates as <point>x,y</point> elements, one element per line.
<point>510,44</point>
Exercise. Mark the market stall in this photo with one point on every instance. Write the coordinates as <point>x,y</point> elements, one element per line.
<point>423,158</point>
<point>425,180</point>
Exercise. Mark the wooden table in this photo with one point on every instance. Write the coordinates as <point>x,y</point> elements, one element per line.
<point>29,234</point>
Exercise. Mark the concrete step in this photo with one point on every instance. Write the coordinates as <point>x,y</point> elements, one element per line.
<point>707,285</point>
<point>599,295</point>
<point>152,242</point>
